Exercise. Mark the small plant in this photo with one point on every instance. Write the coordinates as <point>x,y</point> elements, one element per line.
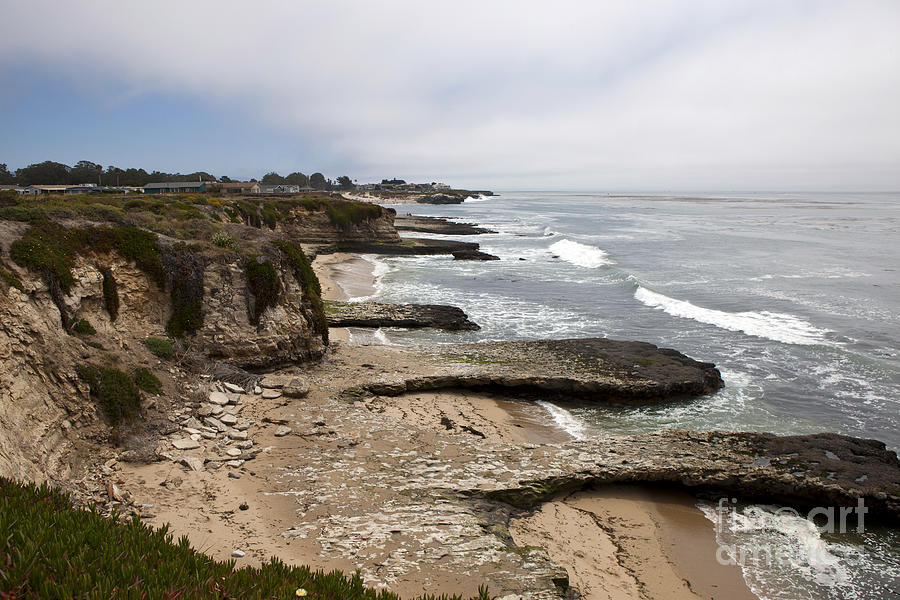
<point>147,381</point>
<point>113,390</point>
<point>82,327</point>
<point>161,347</point>
<point>223,240</point>
<point>306,276</point>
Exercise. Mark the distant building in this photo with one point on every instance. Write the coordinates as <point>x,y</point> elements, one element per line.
<point>240,187</point>
<point>283,188</point>
<point>11,188</point>
<point>59,189</point>
<point>175,187</point>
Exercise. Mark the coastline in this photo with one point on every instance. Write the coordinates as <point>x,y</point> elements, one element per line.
<point>630,542</point>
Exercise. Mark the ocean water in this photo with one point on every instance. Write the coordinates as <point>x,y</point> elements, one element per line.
<point>795,297</point>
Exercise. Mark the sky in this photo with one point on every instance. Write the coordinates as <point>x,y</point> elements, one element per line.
<point>587,95</point>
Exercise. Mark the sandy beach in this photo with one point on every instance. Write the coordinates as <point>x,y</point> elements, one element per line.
<point>327,494</point>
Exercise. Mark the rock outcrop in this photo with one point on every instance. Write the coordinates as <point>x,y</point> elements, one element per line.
<point>592,369</point>
<point>436,225</point>
<point>374,314</point>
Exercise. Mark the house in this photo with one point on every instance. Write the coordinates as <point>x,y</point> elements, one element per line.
<point>59,189</point>
<point>11,188</point>
<point>175,187</point>
<point>240,187</point>
<point>283,188</point>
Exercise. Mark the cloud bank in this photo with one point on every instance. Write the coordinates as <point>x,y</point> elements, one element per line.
<point>644,95</point>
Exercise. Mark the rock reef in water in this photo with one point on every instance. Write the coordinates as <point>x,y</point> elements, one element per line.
<point>593,369</point>
<point>436,225</point>
<point>375,314</point>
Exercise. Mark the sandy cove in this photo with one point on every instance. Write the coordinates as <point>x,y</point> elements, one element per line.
<point>364,485</point>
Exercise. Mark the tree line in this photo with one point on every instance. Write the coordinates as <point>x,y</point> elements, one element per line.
<point>85,171</point>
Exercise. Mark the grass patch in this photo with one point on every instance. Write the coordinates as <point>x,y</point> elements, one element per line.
<point>113,390</point>
<point>185,266</point>
<point>52,550</point>
<point>47,250</point>
<point>262,279</point>
<point>147,381</point>
<point>161,347</point>
<point>82,327</point>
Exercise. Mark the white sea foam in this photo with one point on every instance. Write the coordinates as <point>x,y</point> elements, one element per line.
<point>779,327</point>
<point>565,420</point>
<point>379,270</point>
<point>579,254</point>
<point>478,198</point>
<point>783,555</point>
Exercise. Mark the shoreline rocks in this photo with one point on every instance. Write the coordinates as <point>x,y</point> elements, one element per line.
<point>589,369</point>
<point>437,225</point>
<point>374,314</point>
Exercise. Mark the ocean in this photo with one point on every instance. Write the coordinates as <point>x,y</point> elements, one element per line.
<point>794,296</point>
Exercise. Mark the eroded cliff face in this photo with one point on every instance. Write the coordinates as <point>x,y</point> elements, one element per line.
<point>49,426</point>
<point>287,332</point>
<point>316,227</point>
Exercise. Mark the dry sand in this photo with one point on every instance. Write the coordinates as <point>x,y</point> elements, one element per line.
<point>615,542</point>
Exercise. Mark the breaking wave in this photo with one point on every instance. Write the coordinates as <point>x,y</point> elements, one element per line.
<point>582,255</point>
<point>779,327</point>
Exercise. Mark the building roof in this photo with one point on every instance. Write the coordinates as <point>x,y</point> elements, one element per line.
<point>170,184</point>
<point>54,187</point>
<point>239,184</point>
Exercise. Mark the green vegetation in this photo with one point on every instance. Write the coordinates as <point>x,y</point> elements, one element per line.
<point>147,381</point>
<point>161,347</point>
<point>110,294</point>
<point>113,390</point>
<point>52,550</point>
<point>9,279</point>
<point>262,280</point>
<point>49,249</point>
<point>82,327</point>
<point>223,240</point>
<point>46,249</point>
<point>312,289</point>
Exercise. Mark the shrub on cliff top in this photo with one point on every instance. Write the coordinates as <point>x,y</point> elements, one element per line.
<point>114,390</point>
<point>53,550</point>
<point>262,279</point>
<point>46,249</point>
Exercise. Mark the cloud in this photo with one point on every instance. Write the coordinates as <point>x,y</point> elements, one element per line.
<point>577,94</point>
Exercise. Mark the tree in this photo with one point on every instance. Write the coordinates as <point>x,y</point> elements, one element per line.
<point>225,179</point>
<point>317,181</point>
<point>85,171</point>
<point>46,173</point>
<point>297,178</point>
<point>345,183</point>
<point>6,178</point>
<point>272,178</point>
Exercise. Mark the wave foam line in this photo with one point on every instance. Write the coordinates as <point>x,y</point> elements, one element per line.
<point>564,420</point>
<point>779,327</point>
<point>582,255</point>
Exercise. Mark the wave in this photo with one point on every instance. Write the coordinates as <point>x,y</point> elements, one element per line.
<point>779,327</point>
<point>565,420</point>
<point>582,255</point>
<point>379,270</point>
<point>478,198</point>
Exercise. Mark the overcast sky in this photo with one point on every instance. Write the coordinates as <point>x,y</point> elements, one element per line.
<point>681,95</point>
